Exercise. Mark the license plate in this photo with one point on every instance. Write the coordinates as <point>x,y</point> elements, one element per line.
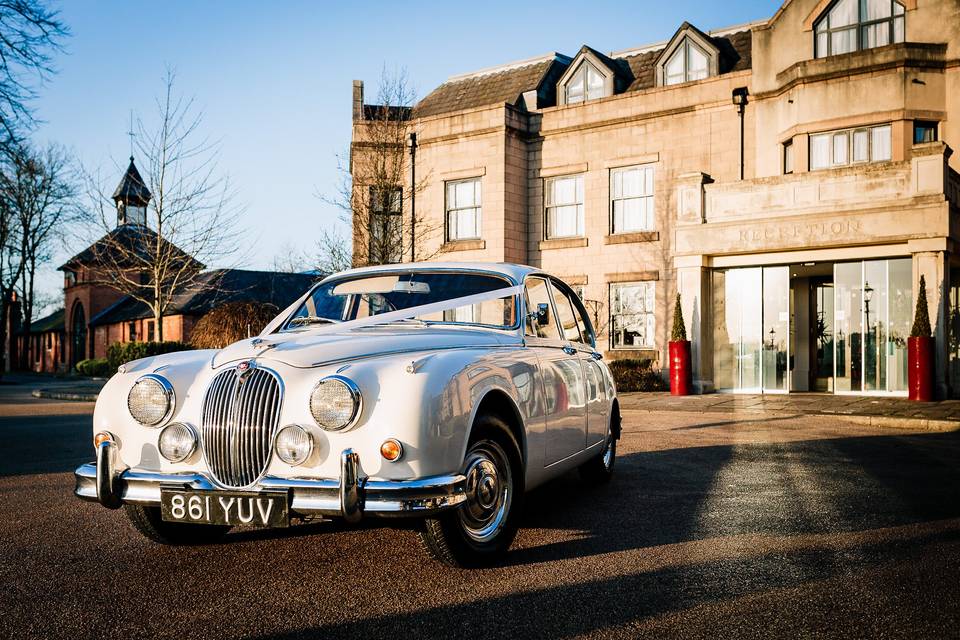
<point>267,509</point>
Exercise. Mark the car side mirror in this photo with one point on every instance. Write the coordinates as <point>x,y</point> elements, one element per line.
<point>543,314</point>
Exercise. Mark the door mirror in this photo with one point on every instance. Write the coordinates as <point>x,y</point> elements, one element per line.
<point>543,314</point>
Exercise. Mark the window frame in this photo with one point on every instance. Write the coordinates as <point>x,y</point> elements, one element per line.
<point>548,204</point>
<point>388,215</point>
<point>850,146</point>
<point>650,197</point>
<point>584,69</point>
<point>682,50</point>
<point>789,159</point>
<point>858,27</point>
<point>928,125</point>
<point>477,206</point>
<point>652,340</point>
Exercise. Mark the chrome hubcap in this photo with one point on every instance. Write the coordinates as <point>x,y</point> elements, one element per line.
<point>489,491</point>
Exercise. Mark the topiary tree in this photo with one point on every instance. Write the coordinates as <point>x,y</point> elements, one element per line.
<point>231,322</point>
<point>679,331</point>
<point>921,319</point>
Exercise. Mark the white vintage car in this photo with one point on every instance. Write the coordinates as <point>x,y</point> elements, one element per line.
<point>440,391</point>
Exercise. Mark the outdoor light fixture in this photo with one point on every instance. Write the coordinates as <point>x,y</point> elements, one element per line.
<point>740,98</point>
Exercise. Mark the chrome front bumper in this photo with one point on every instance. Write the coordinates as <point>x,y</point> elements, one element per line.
<point>351,496</point>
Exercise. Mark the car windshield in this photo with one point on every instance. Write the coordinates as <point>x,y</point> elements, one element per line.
<point>371,294</point>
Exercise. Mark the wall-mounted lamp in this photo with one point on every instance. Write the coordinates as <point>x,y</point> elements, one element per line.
<point>740,99</point>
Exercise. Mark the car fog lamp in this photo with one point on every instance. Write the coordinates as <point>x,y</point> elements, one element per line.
<point>150,400</point>
<point>391,450</point>
<point>335,403</point>
<point>294,445</point>
<point>177,442</point>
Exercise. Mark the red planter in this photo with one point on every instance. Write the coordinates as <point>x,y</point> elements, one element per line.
<point>680,374</point>
<point>920,368</point>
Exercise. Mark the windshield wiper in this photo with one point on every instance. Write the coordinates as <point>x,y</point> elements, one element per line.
<point>296,322</point>
<point>420,322</point>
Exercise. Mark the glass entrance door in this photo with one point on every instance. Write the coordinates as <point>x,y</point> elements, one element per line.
<point>752,329</point>
<point>872,320</point>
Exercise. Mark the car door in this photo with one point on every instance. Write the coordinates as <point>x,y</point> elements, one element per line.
<point>584,340</point>
<point>561,374</point>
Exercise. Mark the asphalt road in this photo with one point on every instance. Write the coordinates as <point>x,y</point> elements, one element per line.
<point>794,527</point>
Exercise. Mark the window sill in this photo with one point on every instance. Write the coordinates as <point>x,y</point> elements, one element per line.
<point>463,245</point>
<point>636,236</point>
<point>563,243</point>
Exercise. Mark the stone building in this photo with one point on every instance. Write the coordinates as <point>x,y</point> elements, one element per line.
<point>792,178</point>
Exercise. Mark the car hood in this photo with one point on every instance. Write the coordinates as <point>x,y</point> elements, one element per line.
<point>310,348</point>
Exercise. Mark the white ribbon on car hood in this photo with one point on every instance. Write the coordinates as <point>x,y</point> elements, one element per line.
<point>262,341</point>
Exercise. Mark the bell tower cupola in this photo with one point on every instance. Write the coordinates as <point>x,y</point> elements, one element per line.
<point>131,198</point>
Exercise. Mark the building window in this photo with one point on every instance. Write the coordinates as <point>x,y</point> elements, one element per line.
<point>386,226</point>
<point>788,157</point>
<point>851,146</point>
<point>689,62</point>
<point>631,199</point>
<point>924,131</point>
<point>564,206</point>
<point>851,25</point>
<point>132,331</point>
<point>585,84</point>
<point>150,331</point>
<point>632,315</point>
<point>463,209</point>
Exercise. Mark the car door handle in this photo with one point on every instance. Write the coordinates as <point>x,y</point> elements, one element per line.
<point>570,351</point>
<point>596,355</point>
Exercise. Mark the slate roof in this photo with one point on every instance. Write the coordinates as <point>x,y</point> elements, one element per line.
<point>633,73</point>
<point>214,288</point>
<point>128,237</point>
<point>131,187</point>
<point>52,322</point>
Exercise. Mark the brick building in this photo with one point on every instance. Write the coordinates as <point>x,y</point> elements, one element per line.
<point>792,178</point>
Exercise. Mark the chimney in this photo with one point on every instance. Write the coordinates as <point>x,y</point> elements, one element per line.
<point>358,99</point>
<point>530,100</point>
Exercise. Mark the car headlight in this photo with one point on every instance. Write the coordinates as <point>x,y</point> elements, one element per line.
<point>177,442</point>
<point>294,445</point>
<point>150,401</point>
<point>335,403</point>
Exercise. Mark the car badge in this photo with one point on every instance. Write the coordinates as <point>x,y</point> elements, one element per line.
<point>244,369</point>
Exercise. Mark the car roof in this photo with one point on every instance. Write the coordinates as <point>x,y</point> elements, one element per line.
<point>514,272</point>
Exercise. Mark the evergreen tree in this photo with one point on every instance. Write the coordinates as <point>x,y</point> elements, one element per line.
<point>921,320</point>
<point>679,331</point>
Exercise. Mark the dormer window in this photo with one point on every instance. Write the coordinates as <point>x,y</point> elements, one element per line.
<point>852,25</point>
<point>689,62</point>
<point>585,84</point>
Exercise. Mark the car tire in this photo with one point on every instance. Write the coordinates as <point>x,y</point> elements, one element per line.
<point>147,521</point>
<point>479,532</point>
<point>599,469</point>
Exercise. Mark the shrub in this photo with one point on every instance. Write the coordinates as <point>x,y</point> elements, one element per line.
<point>921,319</point>
<point>636,374</point>
<point>122,352</point>
<point>231,322</point>
<point>98,367</point>
<point>679,331</point>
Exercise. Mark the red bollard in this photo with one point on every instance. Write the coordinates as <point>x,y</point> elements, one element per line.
<point>680,374</point>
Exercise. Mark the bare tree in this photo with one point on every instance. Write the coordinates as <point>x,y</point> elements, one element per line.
<point>330,254</point>
<point>40,189</point>
<point>377,188</point>
<point>188,220</point>
<point>29,33</point>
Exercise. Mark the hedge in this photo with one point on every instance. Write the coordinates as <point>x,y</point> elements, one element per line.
<point>636,374</point>
<point>98,367</point>
<point>122,352</point>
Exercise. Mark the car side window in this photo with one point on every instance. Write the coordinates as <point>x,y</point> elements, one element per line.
<point>568,321</point>
<point>538,293</point>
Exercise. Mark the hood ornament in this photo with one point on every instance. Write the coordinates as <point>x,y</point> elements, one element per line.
<point>244,369</point>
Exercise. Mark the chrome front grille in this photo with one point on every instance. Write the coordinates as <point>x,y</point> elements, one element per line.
<point>240,416</point>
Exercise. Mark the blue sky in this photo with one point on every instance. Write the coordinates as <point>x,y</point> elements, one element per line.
<point>274,79</point>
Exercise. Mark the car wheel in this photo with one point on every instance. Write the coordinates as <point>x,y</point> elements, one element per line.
<point>147,520</point>
<point>481,530</point>
<point>599,469</point>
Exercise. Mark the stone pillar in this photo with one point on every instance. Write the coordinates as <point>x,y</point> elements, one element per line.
<point>357,100</point>
<point>932,265</point>
<point>693,283</point>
